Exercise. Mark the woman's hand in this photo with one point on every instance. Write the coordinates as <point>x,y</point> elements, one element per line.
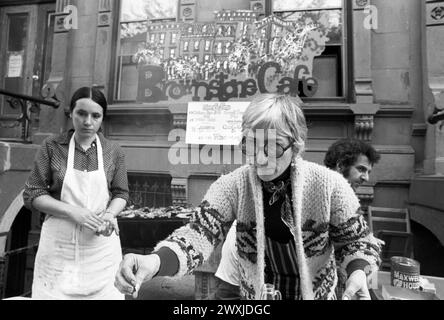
<point>356,285</point>
<point>134,270</point>
<point>86,218</point>
<point>109,225</point>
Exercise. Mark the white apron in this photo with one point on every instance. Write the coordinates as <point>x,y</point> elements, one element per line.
<point>72,262</point>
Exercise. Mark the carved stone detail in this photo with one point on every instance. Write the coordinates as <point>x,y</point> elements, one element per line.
<point>179,191</point>
<point>61,5</point>
<point>105,5</point>
<point>364,119</point>
<point>364,125</point>
<point>104,19</point>
<point>361,3</point>
<point>187,10</point>
<point>59,23</point>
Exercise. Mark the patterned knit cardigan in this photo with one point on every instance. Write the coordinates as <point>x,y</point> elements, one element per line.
<point>325,223</point>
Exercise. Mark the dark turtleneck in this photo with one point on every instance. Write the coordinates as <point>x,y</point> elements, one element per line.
<point>275,194</point>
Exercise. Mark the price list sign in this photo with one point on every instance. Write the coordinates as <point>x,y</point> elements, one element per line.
<point>215,123</point>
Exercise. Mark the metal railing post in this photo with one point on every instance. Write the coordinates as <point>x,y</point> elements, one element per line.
<point>27,105</point>
<point>2,277</point>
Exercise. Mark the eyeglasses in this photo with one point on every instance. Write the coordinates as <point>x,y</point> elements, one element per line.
<point>251,148</point>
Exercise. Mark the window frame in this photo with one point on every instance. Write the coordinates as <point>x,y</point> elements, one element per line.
<point>347,60</point>
<point>346,63</point>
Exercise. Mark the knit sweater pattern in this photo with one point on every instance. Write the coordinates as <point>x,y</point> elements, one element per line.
<point>328,230</point>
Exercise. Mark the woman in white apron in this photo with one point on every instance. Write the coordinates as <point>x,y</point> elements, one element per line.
<point>79,254</point>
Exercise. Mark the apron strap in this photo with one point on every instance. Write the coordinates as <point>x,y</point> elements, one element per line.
<point>70,166</point>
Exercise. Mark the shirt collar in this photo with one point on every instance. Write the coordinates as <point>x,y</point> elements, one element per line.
<point>65,138</point>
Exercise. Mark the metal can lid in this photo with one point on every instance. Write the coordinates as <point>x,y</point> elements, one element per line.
<point>404,264</point>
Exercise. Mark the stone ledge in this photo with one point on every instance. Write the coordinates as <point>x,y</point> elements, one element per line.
<point>427,191</point>
<point>17,157</point>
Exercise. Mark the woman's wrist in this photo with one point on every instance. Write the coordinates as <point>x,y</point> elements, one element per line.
<point>109,211</point>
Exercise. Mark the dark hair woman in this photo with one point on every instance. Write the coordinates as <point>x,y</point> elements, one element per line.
<point>80,182</point>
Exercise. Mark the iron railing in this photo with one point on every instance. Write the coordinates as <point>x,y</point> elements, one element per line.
<point>4,264</point>
<point>27,105</point>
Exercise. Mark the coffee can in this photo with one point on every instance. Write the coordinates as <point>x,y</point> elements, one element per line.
<point>405,273</point>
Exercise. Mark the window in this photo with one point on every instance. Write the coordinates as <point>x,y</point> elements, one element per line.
<point>162,38</point>
<point>227,47</point>
<point>207,45</point>
<point>133,33</point>
<point>15,52</point>
<point>230,31</point>
<point>325,48</point>
<point>219,48</point>
<point>173,38</point>
<point>196,45</point>
<point>306,38</point>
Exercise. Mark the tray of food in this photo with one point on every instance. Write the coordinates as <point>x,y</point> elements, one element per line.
<point>145,227</point>
<point>181,212</point>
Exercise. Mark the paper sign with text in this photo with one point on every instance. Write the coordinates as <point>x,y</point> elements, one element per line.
<point>215,123</point>
<point>15,66</point>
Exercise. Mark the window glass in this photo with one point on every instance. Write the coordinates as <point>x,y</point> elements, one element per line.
<point>298,48</point>
<point>286,5</point>
<point>173,38</point>
<point>134,15</point>
<point>147,9</point>
<point>162,38</point>
<point>207,45</point>
<point>15,53</point>
<point>323,52</point>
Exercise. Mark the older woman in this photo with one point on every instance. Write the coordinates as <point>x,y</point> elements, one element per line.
<point>293,217</point>
<point>80,182</point>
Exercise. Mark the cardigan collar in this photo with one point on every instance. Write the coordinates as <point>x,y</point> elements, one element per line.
<point>278,184</point>
<point>297,179</point>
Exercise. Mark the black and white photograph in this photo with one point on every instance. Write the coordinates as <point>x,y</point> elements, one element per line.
<point>209,153</point>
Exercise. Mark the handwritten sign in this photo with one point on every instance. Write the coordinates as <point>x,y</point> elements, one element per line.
<point>215,123</point>
<point>15,65</point>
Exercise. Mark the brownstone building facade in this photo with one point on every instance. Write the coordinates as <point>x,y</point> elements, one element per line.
<point>373,69</point>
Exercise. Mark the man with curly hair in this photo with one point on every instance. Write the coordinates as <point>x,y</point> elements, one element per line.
<point>353,158</point>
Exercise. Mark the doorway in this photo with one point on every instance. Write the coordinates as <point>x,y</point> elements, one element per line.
<point>26,35</point>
